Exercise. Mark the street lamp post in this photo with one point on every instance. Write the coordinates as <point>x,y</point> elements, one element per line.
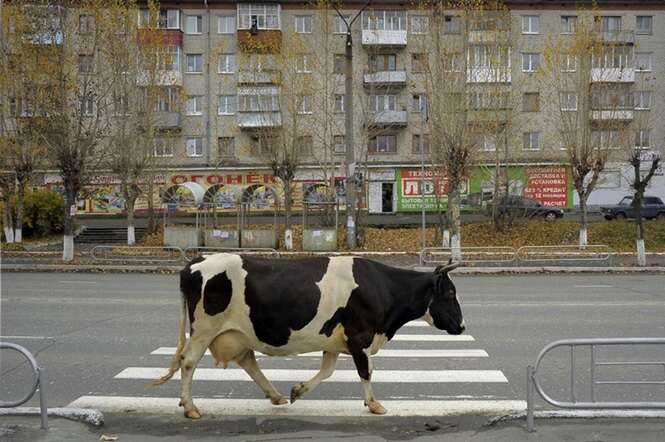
<point>423,119</point>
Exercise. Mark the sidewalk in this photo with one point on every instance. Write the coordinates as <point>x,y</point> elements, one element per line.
<point>150,428</point>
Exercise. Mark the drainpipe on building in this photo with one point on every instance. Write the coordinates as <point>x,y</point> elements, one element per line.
<point>208,95</point>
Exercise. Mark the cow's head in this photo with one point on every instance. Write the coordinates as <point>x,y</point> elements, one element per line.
<point>444,311</point>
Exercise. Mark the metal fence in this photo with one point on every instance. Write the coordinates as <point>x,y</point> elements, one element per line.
<point>565,254</point>
<point>192,252</point>
<point>470,255</point>
<point>38,381</point>
<point>137,254</point>
<point>533,384</point>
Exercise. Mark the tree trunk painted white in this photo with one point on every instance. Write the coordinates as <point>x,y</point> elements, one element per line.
<point>456,248</point>
<point>131,236</point>
<point>18,235</point>
<point>9,234</point>
<point>446,238</point>
<point>583,238</point>
<point>288,239</point>
<point>68,248</point>
<point>641,253</point>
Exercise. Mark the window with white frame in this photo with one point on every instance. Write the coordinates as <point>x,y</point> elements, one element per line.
<point>305,145</point>
<point>609,23</point>
<point>194,24</point>
<point>339,103</point>
<point>303,64</point>
<point>568,24</point>
<point>166,19</point>
<point>339,144</point>
<point>383,144</point>
<point>643,138</point>
<point>568,101</point>
<point>643,100</point>
<point>530,24</point>
<point>482,56</point>
<point>194,105</point>
<point>488,143</point>
<point>304,104</point>
<point>87,106</point>
<point>339,26</point>
<point>259,16</point>
<point>303,24</point>
<point>531,140</point>
<point>415,143</point>
<point>451,24</point>
<point>381,20</point>
<point>606,139</point>
<point>612,57</point>
<point>530,61</point>
<point>644,24</point>
<point>382,62</point>
<point>168,58</point>
<point>226,24</point>
<point>568,63</point>
<point>85,23</point>
<point>419,24</point>
<point>264,101</point>
<point>479,100</point>
<point>163,147</point>
<point>227,105</point>
<point>194,146</point>
<point>605,98</point>
<point>143,18</point>
<point>167,100</point>
<point>452,62</point>
<point>194,63</point>
<point>418,102</point>
<point>227,64</point>
<point>643,61</point>
<point>380,103</point>
<point>226,147</point>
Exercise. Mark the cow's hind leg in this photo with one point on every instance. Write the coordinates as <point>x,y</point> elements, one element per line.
<point>327,368</point>
<point>248,362</point>
<point>190,357</point>
<point>363,363</point>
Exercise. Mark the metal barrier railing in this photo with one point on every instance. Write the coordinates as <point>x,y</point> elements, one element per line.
<point>137,253</point>
<point>470,255</point>
<point>533,385</point>
<point>565,253</point>
<point>192,252</point>
<point>38,381</point>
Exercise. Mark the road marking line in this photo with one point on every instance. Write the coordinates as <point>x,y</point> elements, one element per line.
<point>384,353</point>
<point>27,337</point>
<point>597,286</point>
<point>287,375</point>
<point>304,407</point>
<point>77,282</point>
<point>425,338</point>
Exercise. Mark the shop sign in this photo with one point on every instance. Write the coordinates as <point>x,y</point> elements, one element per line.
<point>547,185</point>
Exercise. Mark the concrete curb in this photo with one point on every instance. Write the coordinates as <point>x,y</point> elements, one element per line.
<point>86,415</point>
<point>580,414</point>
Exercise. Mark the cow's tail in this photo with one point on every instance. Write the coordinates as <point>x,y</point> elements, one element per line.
<point>182,340</point>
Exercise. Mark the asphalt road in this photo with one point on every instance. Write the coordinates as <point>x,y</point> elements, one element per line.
<point>94,333</point>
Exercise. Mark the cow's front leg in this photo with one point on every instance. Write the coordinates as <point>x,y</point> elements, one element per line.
<point>248,362</point>
<point>327,368</point>
<point>190,358</point>
<point>363,363</point>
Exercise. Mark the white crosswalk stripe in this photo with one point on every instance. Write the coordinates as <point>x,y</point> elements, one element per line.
<point>383,353</point>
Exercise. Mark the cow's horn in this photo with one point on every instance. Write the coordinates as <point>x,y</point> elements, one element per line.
<point>448,267</point>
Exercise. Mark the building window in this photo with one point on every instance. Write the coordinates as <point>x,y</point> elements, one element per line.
<point>194,24</point>
<point>166,19</point>
<point>481,56</point>
<point>530,24</point>
<point>531,102</point>
<point>305,145</point>
<point>418,62</point>
<point>530,61</point>
<point>227,64</point>
<point>487,143</point>
<point>258,16</point>
<point>382,62</point>
<point>643,100</point>
<point>163,148</point>
<point>339,63</point>
<point>568,24</point>
<point>168,58</point>
<point>610,99</point>
<point>303,64</point>
<point>380,103</point>
<point>266,100</point>
<point>415,143</point>
<point>87,107</point>
<point>643,61</point>
<point>643,138</point>
<point>339,144</point>
<point>340,24</point>
<point>609,23</point>
<point>383,144</point>
<point>227,105</point>
<point>644,24</point>
<point>167,100</point>
<point>194,147</point>
<point>568,63</point>
<point>452,62</point>
<point>531,140</point>
<point>605,139</point>
<point>85,23</point>
<point>194,63</point>
<point>568,101</point>
<point>451,24</point>
<point>86,64</point>
<point>419,24</point>
<point>339,103</point>
<point>612,57</point>
<point>418,102</point>
<point>120,103</point>
<point>226,24</point>
<point>226,147</point>
<point>379,20</point>
<point>194,105</point>
<point>305,104</point>
<point>303,24</point>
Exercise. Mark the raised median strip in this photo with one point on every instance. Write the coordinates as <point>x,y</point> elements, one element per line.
<point>81,414</point>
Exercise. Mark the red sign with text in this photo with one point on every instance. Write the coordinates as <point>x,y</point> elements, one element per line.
<point>547,185</point>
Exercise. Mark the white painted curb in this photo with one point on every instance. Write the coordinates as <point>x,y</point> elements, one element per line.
<point>85,415</point>
<point>582,414</point>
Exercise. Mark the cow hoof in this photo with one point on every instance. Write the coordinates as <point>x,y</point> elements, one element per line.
<point>193,414</point>
<point>297,391</point>
<point>376,408</point>
<point>279,400</point>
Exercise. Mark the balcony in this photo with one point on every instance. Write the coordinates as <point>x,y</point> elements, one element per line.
<point>159,37</point>
<point>259,120</point>
<point>160,78</point>
<point>259,77</point>
<point>384,78</point>
<point>260,41</point>
<point>612,114</point>
<point>389,118</point>
<point>613,75</point>
<point>487,116</point>
<point>383,38</point>
<point>167,120</point>
<point>488,75</point>
<point>617,37</point>
<point>489,36</point>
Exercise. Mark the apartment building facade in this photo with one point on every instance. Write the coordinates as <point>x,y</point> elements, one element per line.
<point>224,93</point>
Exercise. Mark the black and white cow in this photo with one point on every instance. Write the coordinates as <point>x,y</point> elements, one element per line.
<point>239,304</point>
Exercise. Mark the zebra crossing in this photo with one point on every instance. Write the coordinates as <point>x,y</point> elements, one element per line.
<point>421,372</point>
